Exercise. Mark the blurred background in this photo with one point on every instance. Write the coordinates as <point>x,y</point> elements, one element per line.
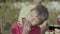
<point>10,9</point>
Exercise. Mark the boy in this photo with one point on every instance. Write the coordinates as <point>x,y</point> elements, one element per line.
<point>35,18</point>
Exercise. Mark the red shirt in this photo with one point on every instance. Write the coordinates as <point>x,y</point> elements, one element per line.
<point>18,29</point>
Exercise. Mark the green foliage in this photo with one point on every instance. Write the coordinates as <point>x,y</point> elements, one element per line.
<point>10,15</point>
<point>53,16</point>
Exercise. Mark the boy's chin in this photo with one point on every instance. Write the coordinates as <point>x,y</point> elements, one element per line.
<point>34,24</point>
<point>37,24</point>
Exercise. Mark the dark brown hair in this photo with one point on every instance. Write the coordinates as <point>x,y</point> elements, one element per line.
<point>43,13</point>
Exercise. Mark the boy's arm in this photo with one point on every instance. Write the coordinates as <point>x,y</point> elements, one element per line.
<point>44,26</point>
<point>26,28</point>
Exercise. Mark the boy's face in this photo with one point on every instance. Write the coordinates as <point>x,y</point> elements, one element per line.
<point>33,19</point>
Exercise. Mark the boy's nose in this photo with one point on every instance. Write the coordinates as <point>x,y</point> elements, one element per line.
<point>32,19</point>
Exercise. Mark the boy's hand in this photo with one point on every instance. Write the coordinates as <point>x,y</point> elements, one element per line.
<point>26,28</point>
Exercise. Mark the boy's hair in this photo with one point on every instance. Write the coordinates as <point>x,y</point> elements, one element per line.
<point>43,13</point>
